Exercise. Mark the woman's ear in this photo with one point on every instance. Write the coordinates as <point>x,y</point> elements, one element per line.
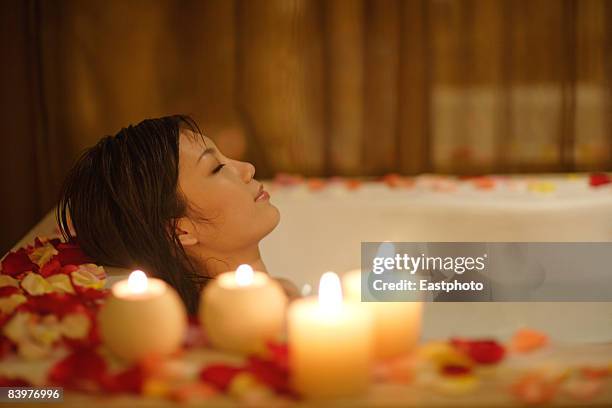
<point>187,239</point>
<point>186,234</point>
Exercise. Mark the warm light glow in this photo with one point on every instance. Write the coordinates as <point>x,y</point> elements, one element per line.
<point>330,291</point>
<point>244,275</point>
<point>137,282</point>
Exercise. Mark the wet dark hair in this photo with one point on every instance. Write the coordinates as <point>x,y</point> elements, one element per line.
<point>122,201</point>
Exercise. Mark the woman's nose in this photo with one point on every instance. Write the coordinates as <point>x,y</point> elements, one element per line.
<point>247,171</point>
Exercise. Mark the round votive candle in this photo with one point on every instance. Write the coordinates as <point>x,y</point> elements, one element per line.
<point>242,310</point>
<point>396,325</point>
<point>329,343</point>
<point>142,316</point>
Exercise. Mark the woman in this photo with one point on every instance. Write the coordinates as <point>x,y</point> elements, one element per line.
<point>160,196</point>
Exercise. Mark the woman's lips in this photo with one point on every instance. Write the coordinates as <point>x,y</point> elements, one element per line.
<point>263,194</point>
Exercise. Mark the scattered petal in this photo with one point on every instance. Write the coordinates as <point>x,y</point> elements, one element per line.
<point>219,375</point>
<point>71,254</point>
<point>534,388</point>
<point>61,283</point>
<point>75,325</point>
<point>43,254</point>
<point>6,280</point>
<point>35,285</point>
<point>481,351</point>
<point>9,303</point>
<point>527,340</point>
<point>84,278</point>
<point>16,263</point>
<point>457,385</point>
<point>599,179</point>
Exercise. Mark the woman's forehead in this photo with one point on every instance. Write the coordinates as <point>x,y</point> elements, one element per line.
<point>193,140</point>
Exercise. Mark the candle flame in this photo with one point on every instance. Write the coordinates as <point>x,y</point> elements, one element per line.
<point>330,291</point>
<point>244,275</point>
<point>137,282</point>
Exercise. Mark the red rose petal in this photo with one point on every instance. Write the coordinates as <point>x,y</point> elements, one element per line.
<point>219,375</point>
<point>17,262</point>
<point>455,370</point>
<point>8,291</point>
<point>599,179</point>
<point>270,374</point>
<point>480,351</point>
<point>68,269</point>
<point>50,268</point>
<point>83,369</point>
<point>58,304</point>
<point>129,380</point>
<point>71,254</point>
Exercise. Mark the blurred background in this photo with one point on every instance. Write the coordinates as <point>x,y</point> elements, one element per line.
<point>337,87</point>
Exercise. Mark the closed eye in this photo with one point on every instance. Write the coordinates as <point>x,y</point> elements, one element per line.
<point>219,167</point>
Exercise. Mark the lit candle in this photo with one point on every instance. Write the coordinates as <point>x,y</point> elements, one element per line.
<point>242,310</point>
<point>329,343</point>
<point>396,325</point>
<point>142,316</point>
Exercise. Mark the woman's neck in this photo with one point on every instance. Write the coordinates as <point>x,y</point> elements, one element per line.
<point>216,264</point>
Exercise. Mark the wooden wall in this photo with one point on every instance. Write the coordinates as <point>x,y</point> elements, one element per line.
<point>336,87</point>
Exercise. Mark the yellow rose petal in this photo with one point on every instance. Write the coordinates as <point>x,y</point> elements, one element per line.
<point>6,280</point>
<point>542,187</point>
<point>86,279</point>
<point>241,384</point>
<point>45,334</point>
<point>35,284</point>
<point>75,325</point>
<point>31,350</point>
<point>16,329</point>
<point>457,385</point>
<point>9,303</point>
<point>61,283</point>
<point>43,254</point>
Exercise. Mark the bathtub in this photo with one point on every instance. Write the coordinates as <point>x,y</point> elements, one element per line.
<point>323,230</point>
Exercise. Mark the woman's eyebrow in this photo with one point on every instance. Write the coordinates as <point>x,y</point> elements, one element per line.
<point>209,150</point>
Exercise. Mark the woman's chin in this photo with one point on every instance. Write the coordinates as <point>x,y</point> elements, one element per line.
<point>272,218</point>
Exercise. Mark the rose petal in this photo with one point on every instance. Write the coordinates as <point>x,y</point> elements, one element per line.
<point>527,340</point>
<point>16,328</point>
<point>72,254</point>
<point>599,179</point>
<point>219,375</point>
<point>84,278</point>
<point>58,304</point>
<point>43,254</point>
<point>532,388</point>
<point>51,268</point>
<point>9,290</point>
<point>130,380</point>
<point>35,285</point>
<point>61,283</point>
<point>83,369</point>
<point>6,280</point>
<point>17,262</point>
<point>10,303</point>
<point>75,325</point>
<point>480,351</point>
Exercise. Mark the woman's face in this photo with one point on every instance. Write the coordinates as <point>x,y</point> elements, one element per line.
<point>229,210</point>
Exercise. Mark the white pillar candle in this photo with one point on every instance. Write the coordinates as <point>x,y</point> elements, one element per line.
<point>329,343</point>
<point>142,316</point>
<point>396,325</point>
<point>240,311</point>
